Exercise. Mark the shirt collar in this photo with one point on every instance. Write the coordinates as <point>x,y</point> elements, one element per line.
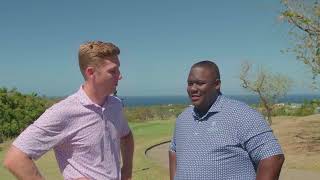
<point>216,107</point>
<point>84,98</point>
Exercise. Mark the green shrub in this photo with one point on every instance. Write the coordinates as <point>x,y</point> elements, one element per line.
<point>155,112</point>
<point>18,110</point>
<point>305,109</point>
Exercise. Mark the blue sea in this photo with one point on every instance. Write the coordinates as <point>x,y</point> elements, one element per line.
<point>249,99</point>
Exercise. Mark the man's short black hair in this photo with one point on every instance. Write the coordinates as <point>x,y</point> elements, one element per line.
<point>209,65</point>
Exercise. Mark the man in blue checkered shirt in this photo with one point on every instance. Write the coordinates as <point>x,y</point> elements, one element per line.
<point>220,138</point>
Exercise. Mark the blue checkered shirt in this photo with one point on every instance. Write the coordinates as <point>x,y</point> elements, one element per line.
<point>226,143</point>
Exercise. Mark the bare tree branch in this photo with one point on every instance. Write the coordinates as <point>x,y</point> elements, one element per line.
<point>269,87</point>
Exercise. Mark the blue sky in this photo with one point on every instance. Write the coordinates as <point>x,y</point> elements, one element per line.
<point>159,41</point>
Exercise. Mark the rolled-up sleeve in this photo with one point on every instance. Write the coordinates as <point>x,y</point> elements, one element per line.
<point>258,138</point>
<point>42,135</point>
<point>125,129</point>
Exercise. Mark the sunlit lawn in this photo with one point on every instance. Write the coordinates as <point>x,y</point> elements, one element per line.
<point>145,134</point>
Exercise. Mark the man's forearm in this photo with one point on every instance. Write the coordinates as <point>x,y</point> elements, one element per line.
<point>172,164</point>
<point>269,168</point>
<point>20,165</point>
<point>127,148</point>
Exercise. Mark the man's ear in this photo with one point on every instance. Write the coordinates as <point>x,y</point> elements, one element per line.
<point>218,84</point>
<point>89,72</point>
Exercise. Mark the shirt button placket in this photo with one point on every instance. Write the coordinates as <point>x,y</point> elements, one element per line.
<point>104,132</point>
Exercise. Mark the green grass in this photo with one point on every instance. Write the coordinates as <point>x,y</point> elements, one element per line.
<point>145,134</point>
<point>46,164</point>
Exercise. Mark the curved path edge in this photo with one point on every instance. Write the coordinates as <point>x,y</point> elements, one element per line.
<point>155,145</point>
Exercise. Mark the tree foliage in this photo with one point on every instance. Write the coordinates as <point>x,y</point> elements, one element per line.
<point>18,110</point>
<point>155,112</point>
<point>304,16</point>
<point>269,87</point>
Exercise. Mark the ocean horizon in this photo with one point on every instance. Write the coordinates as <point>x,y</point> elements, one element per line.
<point>249,99</point>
